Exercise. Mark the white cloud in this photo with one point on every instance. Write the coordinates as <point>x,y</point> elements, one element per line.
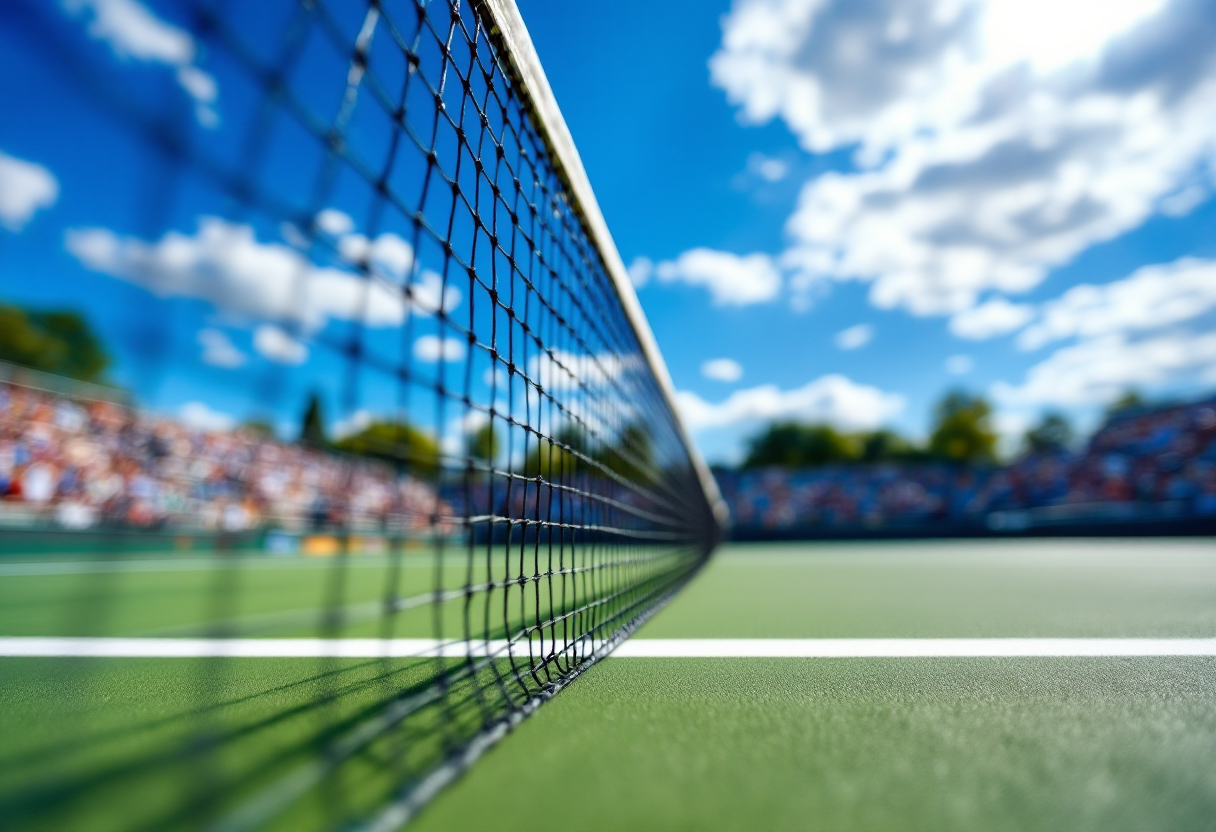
<point>471,422</point>
<point>388,253</point>
<point>722,369</point>
<point>959,365</point>
<point>199,416</point>
<point>854,337</point>
<point>218,350</point>
<point>352,424</point>
<point>430,295</point>
<point>25,187</point>
<point>1098,370</point>
<point>225,265</point>
<point>335,222</point>
<point>134,33</point>
<point>279,346</point>
<point>640,271</point>
<point>994,140</point>
<point>564,370</point>
<point>768,168</point>
<point>832,399</point>
<point>1151,298</point>
<point>1011,427</point>
<point>732,280</point>
<point>988,320</point>
<point>432,348</point>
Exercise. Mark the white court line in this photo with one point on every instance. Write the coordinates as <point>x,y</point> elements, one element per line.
<point>890,648</point>
<point>818,648</point>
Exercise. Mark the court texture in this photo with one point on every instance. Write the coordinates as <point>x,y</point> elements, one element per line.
<point>944,685</point>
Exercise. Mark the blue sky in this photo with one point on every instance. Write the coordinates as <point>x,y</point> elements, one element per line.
<point>835,209</point>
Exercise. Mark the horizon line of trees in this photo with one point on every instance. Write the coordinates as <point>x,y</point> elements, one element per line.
<point>630,455</point>
<point>961,433</point>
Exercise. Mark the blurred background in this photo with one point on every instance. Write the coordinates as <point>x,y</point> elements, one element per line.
<point>916,267</point>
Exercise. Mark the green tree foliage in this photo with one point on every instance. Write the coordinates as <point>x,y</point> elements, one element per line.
<point>887,446</point>
<point>259,427</point>
<point>791,445</point>
<point>1052,434</point>
<point>556,458</point>
<point>631,455</point>
<point>312,426</point>
<point>484,443</point>
<point>962,430</point>
<point>57,342</point>
<point>1130,400</point>
<point>395,442</point>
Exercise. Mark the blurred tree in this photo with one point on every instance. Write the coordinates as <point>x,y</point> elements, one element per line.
<point>395,442</point>
<point>555,458</point>
<point>886,446</point>
<point>1051,435</point>
<point>631,455</point>
<point>1130,400</point>
<point>259,427</point>
<point>312,426</point>
<point>962,430</point>
<point>791,445</point>
<point>484,443</point>
<point>57,342</point>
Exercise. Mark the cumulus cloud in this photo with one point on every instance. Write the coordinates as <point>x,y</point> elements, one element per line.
<point>334,222</point>
<point>722,369</point>
<point>432,348</point>
<point>732,280</point>
<point>995,139</point>
<point>833,399</point>
<point>226,265</point>
<point>199,416</point>
<point>352,424</point>
<point>278,345</point>
<point>988,320</point>
<point>133,32</point>
<point>855,337</point>
<point>1152,298</point>
<point>640,271</point>
<point>1098,370</point>
<point>768,168</point>
<point>387,253</point>
<point>959,365</point>
<point>562,370</point>
<point>25,188</point>
<point>218,349</point>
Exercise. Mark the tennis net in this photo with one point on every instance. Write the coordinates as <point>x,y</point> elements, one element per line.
<point>360,447</point>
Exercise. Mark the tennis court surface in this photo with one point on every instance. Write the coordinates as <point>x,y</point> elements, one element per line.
<point>993,742</point>
<point>888,743</point>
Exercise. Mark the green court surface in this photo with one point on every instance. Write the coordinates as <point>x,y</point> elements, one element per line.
<point>870,744</point>
<point>664,744</point>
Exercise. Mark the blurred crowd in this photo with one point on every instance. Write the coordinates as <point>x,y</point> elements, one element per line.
<point>83,463</point>
<point>1139,462</point>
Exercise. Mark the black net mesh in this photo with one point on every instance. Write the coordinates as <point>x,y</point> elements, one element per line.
<point>380,462</point>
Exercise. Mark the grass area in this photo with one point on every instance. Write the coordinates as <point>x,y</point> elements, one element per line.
<point>852,744</point>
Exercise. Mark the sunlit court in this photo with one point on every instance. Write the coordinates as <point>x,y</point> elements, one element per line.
<point>677,415</point>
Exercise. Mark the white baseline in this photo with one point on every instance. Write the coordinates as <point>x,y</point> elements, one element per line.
<point>809,648</point>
